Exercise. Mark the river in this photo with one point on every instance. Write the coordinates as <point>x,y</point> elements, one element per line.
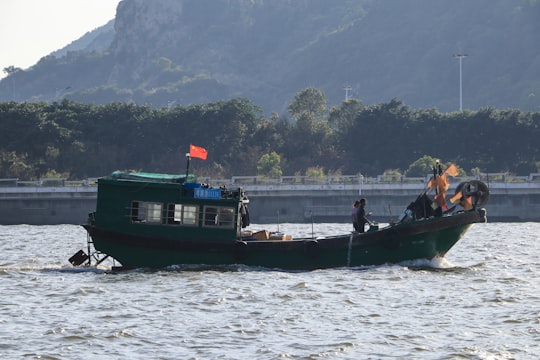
<point>480,302</point>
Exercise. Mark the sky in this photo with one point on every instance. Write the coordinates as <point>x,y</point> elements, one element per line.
<point>31,29</point>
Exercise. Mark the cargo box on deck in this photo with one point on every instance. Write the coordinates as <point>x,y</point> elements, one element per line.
<point>262,235</point>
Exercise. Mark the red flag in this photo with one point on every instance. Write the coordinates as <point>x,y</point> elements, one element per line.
<point>452,170</point>
<point>197,152</point>
<point>441,183</point>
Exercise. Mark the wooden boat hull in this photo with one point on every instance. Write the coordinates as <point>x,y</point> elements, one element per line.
<point>418,239</point>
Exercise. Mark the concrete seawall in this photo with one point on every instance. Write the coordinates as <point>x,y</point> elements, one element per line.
<point>291,199</point>
<point>46,205</point>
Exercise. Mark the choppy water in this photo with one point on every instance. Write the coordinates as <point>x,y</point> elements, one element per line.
<point>482,302</point>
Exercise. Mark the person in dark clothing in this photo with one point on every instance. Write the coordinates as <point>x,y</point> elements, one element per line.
<point>362,216</point>
<point>354,215</point>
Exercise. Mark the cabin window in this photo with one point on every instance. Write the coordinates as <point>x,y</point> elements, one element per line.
<point>190,214</point>
<point>154,212</point>
<point>135,215</point>
<point>219,216</point>
<point>142,211</point>
<point>182,214</point>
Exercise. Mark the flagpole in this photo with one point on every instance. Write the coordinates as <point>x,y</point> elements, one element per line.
<point>188,157</point>
<point>437,165</point>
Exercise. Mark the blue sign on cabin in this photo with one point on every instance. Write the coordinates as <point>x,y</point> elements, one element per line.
<point>207,193</point>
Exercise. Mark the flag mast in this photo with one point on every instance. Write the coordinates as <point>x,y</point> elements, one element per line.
<point>188,158</point>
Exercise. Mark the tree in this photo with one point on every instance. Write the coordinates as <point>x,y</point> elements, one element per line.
<point>269,165</point>
<point>342,118</point>
<point>13,165</point>
<point>310,103</point>
<point>83,140</point>
<point>315,172</point>
<point>421,167</point>
<point>11,70</point>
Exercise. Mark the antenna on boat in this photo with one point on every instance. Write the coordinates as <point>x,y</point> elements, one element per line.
<point>434,168</point>
<point>278,221</point>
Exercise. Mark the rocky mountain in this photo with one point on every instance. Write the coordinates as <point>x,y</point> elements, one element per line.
<point>96,40</point>
<point>166,52</point>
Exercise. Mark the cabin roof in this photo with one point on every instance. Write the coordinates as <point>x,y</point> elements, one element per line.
<point>155,177</point>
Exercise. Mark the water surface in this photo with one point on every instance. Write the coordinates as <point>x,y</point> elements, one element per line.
<point>481,302</point>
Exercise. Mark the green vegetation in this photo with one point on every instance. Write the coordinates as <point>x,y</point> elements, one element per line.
<point>269,166</point>
<point>76,141</point>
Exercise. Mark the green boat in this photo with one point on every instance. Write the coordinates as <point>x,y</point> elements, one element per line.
<point>158,220</point>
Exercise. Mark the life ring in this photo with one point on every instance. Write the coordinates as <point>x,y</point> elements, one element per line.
<point>475,189</point>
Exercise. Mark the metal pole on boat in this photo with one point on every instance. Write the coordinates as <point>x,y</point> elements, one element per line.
<point>88,241</point>
<point>312,232</point>
<point>188,157</point>
<point>434,168</point>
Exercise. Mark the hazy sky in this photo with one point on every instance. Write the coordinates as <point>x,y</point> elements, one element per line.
<point>31,29</point>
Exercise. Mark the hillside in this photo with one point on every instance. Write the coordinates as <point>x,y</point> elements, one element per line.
<point>197,51</point>
<point>96,40</point>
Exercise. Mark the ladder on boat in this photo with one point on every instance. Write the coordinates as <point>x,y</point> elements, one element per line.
<point>93,258</point>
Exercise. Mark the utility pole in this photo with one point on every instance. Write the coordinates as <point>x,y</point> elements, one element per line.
<point>460,57</point>
<point>347,88</point>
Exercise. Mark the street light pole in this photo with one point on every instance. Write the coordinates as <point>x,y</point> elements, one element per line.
<point>460,57</point>
<point>347,88</point>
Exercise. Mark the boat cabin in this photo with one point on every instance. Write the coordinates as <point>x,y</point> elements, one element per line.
<point>148,203</point>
